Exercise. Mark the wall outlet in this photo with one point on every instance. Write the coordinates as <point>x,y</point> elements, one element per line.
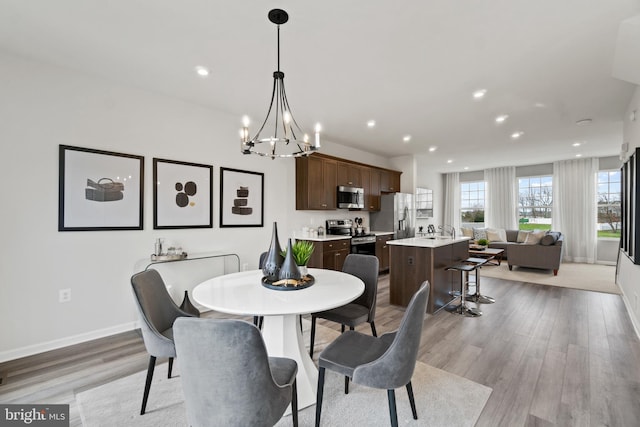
<point>64,295</point>
<point>245,266</point>
<point>411,260</point>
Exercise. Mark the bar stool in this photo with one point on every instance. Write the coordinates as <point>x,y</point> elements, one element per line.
<point>478,297</point>
<point>464,270</point>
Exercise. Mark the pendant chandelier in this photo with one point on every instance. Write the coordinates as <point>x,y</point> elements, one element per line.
<point>287,139</point>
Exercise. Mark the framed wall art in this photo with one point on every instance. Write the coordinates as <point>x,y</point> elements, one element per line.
<point>241,198</point>
<point>99,190</point>
<point>182,194</point>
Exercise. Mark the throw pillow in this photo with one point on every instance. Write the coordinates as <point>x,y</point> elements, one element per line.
<point>479,233</point>
<point>467,232</point>
<point>522,236</point>
<point>534,238</point>
<point>548,239</point>
<point>496,235</point>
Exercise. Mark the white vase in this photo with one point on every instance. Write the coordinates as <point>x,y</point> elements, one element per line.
<point>303,270</point>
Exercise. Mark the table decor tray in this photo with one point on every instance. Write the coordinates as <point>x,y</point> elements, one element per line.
<point>289,284</point>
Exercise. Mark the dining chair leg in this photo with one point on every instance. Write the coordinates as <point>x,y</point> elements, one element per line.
<point>170,368</point>
<point>373,329</point>
<point>313,335</point>
<point>319,395</point>
<point>300,319</point>
<point>412,401</point>
<point>346,384</point>
<point>342,329</point>
<point>294,403</point>
<point>147,384</point>
<point>391,394</point>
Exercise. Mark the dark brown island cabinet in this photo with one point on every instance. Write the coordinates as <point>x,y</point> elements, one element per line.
<point>417,259</point>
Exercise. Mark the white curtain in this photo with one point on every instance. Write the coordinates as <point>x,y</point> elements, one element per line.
<point>502,198</point>
<point>575,208</point>
<point>452,200</point>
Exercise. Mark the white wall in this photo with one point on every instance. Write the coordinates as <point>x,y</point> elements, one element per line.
<point>427,177</point>
<point>43,106</point>
<point>629,273</point>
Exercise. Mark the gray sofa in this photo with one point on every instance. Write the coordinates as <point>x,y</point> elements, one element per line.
<point>545,255</point>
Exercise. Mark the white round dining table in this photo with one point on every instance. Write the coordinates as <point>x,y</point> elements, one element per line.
<point>243,294</point>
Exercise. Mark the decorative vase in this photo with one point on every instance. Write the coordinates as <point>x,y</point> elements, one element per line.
<point>289,269</point>
<point>274,259</point>
<point>303,270</point>
<point>188,306</point>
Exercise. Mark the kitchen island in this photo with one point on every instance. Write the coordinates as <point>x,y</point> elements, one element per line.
<point>417,259</point>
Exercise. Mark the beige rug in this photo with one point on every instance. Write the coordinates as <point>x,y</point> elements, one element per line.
<point>442,399</point>
<point>590,277</point>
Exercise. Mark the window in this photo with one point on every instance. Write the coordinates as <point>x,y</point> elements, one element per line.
<point>609,203</point>
<point>472,203</point>
<point>535,199</point>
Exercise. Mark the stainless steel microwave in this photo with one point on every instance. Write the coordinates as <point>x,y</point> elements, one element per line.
<point>350,197</point>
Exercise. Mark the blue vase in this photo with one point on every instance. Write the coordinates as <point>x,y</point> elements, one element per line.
<point>274,259</point>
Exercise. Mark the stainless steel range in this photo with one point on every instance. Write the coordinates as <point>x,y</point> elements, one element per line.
<point>361,243</point>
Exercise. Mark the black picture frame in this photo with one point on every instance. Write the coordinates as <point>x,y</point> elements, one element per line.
<point>99,190</point>
<point>630,206</point>
<point>182,195</point>
<point>241,198</point>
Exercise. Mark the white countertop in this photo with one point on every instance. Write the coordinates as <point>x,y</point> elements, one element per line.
<point>426,242</point>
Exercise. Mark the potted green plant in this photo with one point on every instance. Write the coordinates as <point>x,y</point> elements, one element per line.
<point>302,250</point>
<point>483,242</point>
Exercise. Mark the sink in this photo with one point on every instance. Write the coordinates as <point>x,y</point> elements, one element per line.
<point>437,237</point>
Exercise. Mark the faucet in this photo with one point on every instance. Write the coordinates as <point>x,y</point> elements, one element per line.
<point>448,229</point>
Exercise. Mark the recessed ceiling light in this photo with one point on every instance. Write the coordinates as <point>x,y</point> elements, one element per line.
<point>584,122</point>
<point>501,118</point>
<point>466,168</point>
<point>371,123</point>
<point>202,71</point>
<point>517,135</point>
<point>432,148</point>
<point>578,155</point>
<point>479,94</point>
<point>449,161</point>
<point>406,138</point>
<point>540,105</point>
<point>576,144</point>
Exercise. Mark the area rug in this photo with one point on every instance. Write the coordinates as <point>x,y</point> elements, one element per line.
<point>589,277</point>
<point>442,399</point>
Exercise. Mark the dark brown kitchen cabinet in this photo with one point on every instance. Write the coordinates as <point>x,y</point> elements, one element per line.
<point>389,181</point>
<point>382,251</point>
<point>349,175</point>
<point>315,183</point>
<point>330,255</point>
<point>374,190</point>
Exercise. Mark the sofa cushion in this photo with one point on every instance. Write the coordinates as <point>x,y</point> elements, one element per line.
<point>522,236</point>
<point>479,233</point>
<point>496,235</point>
<point>467,232</point>
<point>550,238</point>
<point>534,238</point>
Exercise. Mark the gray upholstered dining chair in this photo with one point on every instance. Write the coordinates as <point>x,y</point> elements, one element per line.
<point>386,362</point>
<point>157,314</point>
<point>363,309</point>
<point>227,377</point>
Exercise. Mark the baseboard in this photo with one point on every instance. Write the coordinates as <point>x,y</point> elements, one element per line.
<point>30,350</point>
<point>627,305</point>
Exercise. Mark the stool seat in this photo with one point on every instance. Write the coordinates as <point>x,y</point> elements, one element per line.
<point>477,296</point>
<point>462,308</point>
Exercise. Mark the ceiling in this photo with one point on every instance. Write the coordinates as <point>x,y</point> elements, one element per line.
<point>411,66</point>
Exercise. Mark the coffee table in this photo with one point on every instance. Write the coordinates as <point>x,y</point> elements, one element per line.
<point>488,254</point>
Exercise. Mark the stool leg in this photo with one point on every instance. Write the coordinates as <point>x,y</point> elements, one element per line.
<point>478,297</point>
<point>464,309</point>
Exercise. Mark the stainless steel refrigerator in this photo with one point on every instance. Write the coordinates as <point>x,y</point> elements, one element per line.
<point>397,214</point>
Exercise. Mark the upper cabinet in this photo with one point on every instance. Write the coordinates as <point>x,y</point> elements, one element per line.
<point>315,183</point>
<point>349,175</point>
<point>319,175</point>
<point>389,181</point>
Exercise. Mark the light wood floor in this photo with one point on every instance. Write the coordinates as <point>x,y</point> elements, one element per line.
<point>553,356</point>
